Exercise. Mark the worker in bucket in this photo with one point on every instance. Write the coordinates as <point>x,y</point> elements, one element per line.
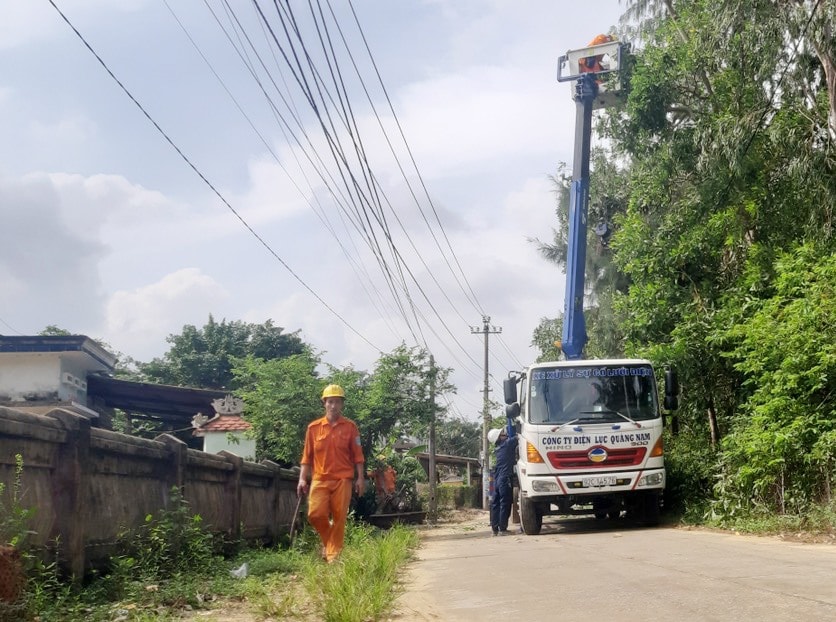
<point>332,464</point>
<point>593,64</point>
<point>505,441</point>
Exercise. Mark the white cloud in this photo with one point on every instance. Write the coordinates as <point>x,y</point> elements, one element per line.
<point>49,268</point>
<point>136,319</point>
<point>106,230</point>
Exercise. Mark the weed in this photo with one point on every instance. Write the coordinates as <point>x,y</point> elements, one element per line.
<point>173,542</point>
<point>14,517</point>
<point>360,586</point>
<point>172,566</point>
<point>14,521</point>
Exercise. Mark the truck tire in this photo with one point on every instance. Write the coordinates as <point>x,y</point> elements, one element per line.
<point>531,517</point>
<point>650,510</point>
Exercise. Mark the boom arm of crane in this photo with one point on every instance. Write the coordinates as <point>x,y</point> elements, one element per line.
<point>574,325</point>
<point>584,66</point>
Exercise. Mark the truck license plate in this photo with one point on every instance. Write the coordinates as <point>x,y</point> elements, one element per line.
<point>597,482</point>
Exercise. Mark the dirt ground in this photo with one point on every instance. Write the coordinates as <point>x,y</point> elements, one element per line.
<point>408,604</point>
<point>413,603</point>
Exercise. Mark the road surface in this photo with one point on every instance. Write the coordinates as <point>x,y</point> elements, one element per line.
<point>582,569</point>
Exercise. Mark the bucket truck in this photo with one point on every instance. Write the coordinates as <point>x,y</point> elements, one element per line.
<point>590,430</point>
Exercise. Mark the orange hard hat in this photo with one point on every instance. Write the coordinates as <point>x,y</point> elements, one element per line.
<point>599,39</point>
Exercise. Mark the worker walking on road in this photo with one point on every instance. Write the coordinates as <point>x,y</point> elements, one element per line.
<point>332,460</point>
<point>505,440</point>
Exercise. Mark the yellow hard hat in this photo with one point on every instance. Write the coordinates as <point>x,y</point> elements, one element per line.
<point>333,390</point>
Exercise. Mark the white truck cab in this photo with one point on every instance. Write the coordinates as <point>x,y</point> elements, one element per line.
<point>590,439</point>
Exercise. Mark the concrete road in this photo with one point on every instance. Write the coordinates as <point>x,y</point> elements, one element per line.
<point>582,569</point>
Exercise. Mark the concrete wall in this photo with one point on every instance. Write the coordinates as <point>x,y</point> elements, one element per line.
<point>90,485</point>
<point>33,376</point>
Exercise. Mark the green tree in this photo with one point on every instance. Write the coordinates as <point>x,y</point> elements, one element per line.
<point>202,357</point>
<point>281,397</point>
<point>54,331</point>
<point>781,452</point>
<point>397,397</point>
<point>607,202</point>
<point>730,149</point>
<point>546,338</point>
<point>456,436</point>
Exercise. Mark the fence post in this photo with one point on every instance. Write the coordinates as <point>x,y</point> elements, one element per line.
<point>287,495</point>
<point>174,472</point>
<point>232,492</point>
<point>69,484</point>
<point>273,528</point>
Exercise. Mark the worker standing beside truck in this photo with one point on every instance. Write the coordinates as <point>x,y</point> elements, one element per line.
<point>505,440</point>
<point>332,459</point>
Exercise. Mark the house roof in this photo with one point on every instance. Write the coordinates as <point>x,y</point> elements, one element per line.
<point>224,423</point>
<point>160,402</point>
<point>171,405</point>
<point>73,345</point>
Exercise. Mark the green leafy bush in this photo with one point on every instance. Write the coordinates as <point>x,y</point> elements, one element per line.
<point>780,456</point>
<point>172,542</point>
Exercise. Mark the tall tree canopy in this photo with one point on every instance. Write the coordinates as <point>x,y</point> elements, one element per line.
<point>202,357</point>
<point>725,156</point>
<point>281,396</point>
<point>456,436</point>
<point>608,202</point>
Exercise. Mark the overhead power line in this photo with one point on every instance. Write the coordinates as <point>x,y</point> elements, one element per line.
<point>314,68</point>
<point>206,180</point>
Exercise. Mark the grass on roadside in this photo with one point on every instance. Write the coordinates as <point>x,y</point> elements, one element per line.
<point>281,583</point>
<point>361,586</point>
<point>818,523</point>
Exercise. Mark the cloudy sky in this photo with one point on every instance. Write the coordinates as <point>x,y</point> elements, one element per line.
<point>387,195</point>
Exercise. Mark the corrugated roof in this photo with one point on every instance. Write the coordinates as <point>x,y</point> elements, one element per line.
<point>173,405</point>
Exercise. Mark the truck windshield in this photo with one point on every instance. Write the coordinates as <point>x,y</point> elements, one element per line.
<point>592,394</point>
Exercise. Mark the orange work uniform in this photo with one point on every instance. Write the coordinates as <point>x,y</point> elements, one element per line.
<point>333,451</point>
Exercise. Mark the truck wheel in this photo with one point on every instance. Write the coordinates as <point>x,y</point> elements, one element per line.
<point>650,510</point>
<point>530,517</point>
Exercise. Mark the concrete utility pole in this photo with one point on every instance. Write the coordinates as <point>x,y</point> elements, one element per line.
<point>486,330</point>
<point>433,513</point>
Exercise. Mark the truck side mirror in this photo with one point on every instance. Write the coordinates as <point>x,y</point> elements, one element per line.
<point>509,388</point>
<point>671,389</point>
<point>512,411</point>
